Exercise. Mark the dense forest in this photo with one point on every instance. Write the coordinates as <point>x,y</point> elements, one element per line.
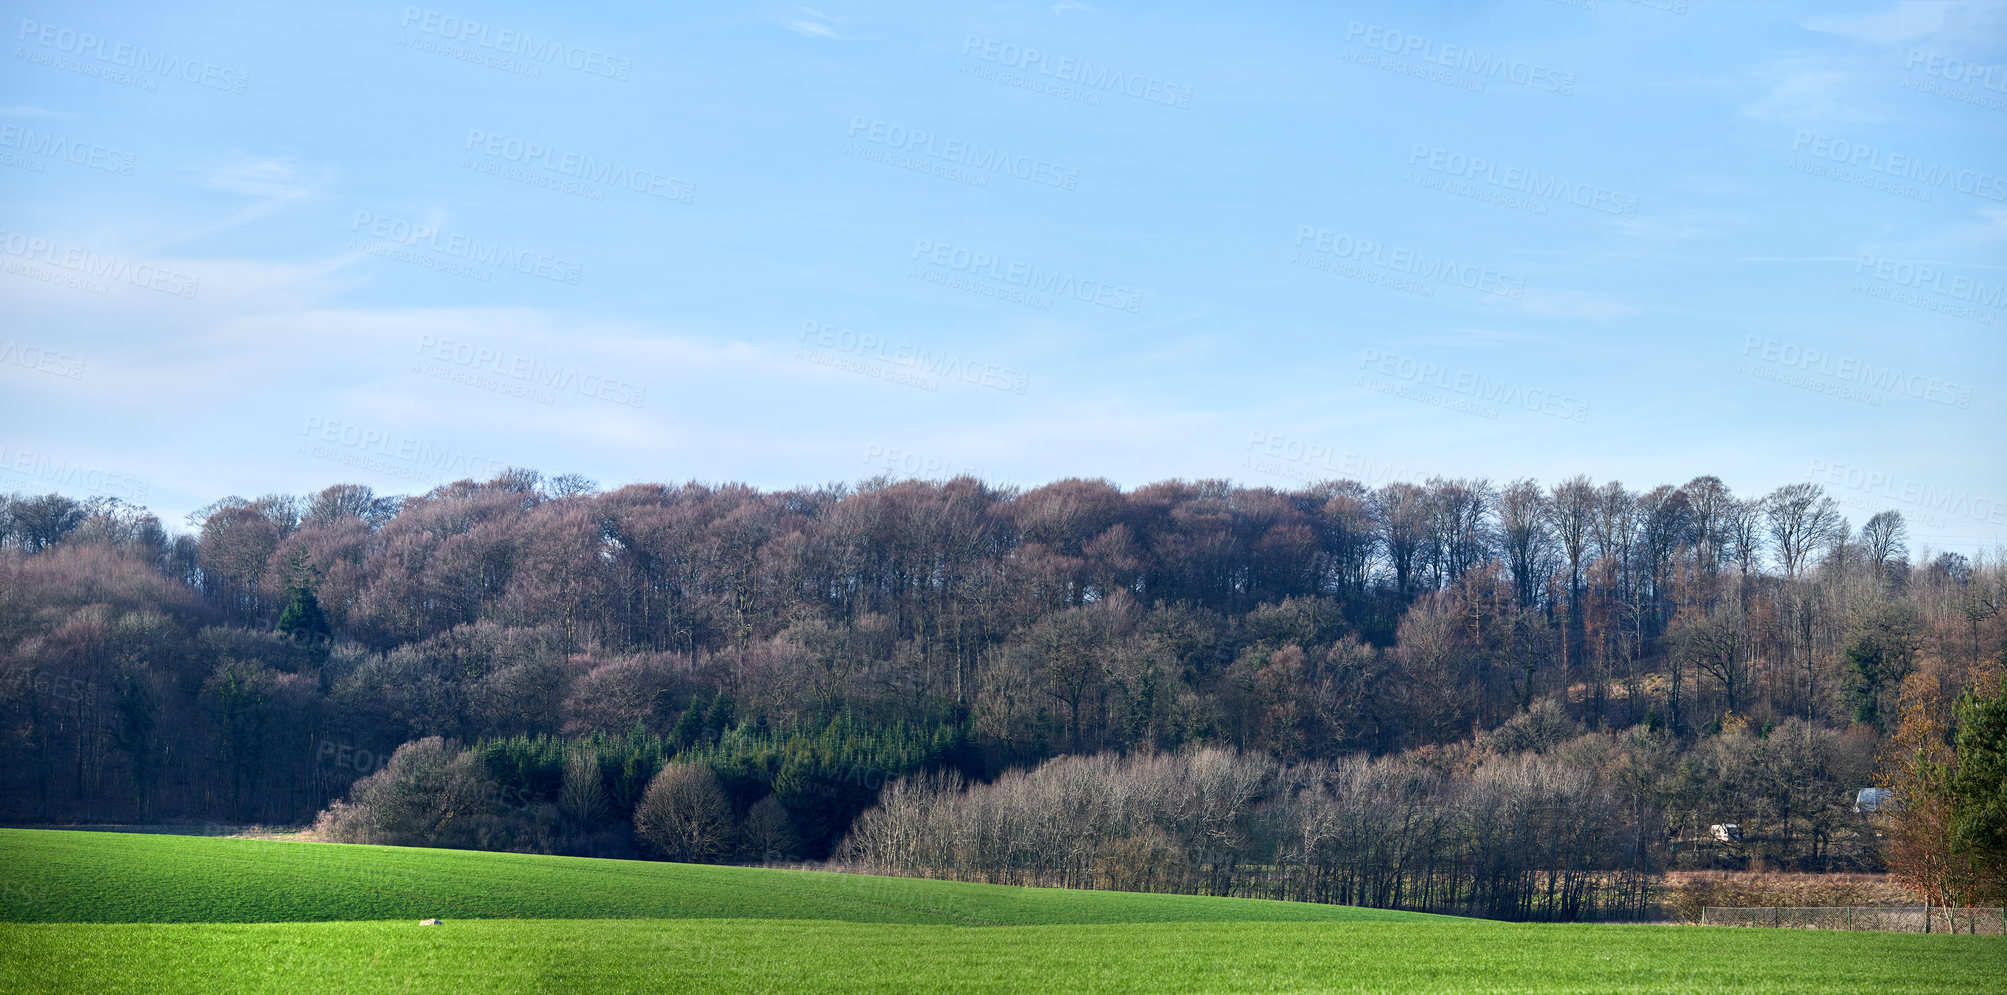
<point>1508,698</point>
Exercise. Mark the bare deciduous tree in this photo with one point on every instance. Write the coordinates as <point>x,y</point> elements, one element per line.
<point>1402,510</point>
<point>1801,518</point>
<point>1572,506</point>
<point>1886,537</point>
<point>1711,506</point>
<point>1523,518</point>
<point>1712,644</point>
<point>685,815</point>
<point>583,800</point>
<point>1745,532</point>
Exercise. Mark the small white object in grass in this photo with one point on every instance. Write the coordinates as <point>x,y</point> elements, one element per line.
<point>428,922</point>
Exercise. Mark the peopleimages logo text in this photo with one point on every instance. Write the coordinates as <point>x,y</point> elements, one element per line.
<point>1929,496</point>
<point>1958,70</point>
<point>939,364</point>
<point>1460,57</point>
<point>1925,276</point>
<point>517,44</point>
<point>963,152</point>
<point>126,56</point>
<point>1526,181</point>
<point>1078,71</point>
<point>1477,386</point>
<point>34,357</point>
<point>1849,369</point>
<point>1058,283</point>
<point>391,445</point>
<point>62,473</point>
<point>468,248</point>
<point>53,146</point>
<point>99,265</point>
<point>583,167</point>
<point>1909,167</point>
<point>1412,262</point>
<point>554,376</point>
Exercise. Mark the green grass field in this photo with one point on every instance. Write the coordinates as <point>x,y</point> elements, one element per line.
<point>70,877</point>
<point>105,912</point>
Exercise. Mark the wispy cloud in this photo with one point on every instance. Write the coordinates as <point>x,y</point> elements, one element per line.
<point>1679,226</point>
<point>1997,218</point>
<point>812,23</point>
<point>1564,305</point>
<point>1918,20</point>
<point>264,177</point>
<point>1795,259</point>
<point>29,110</point>
<point>1810,89</point>
<point>271,182</point>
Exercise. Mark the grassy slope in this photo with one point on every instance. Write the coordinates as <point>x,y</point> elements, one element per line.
<point>53,876</point>
<point>115,912</point>
<point>728,956</point>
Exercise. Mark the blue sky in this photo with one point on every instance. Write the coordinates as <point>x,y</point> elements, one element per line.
<point>249,250</point>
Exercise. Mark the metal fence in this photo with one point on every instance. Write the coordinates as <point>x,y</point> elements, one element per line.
<point>1892,918</point>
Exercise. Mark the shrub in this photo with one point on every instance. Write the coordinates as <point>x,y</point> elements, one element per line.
<point>684,815</point>
<point>433,794</point>
<point>768,833</point>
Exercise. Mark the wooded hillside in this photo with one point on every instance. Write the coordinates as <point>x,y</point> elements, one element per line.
<point>254,668</point>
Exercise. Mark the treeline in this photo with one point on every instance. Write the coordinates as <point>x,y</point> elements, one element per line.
<point>770,796</point>
<point>1520,837</point>
<point>1539,819</point>
<point>255,668</point>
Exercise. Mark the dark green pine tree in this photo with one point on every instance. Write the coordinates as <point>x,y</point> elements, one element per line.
<point>689,729</point>
<point>302,618</point>
<point>1979,792</point>
<point>719,719</point>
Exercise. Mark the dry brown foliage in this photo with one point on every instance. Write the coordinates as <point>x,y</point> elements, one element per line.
<point>1686,892</point>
